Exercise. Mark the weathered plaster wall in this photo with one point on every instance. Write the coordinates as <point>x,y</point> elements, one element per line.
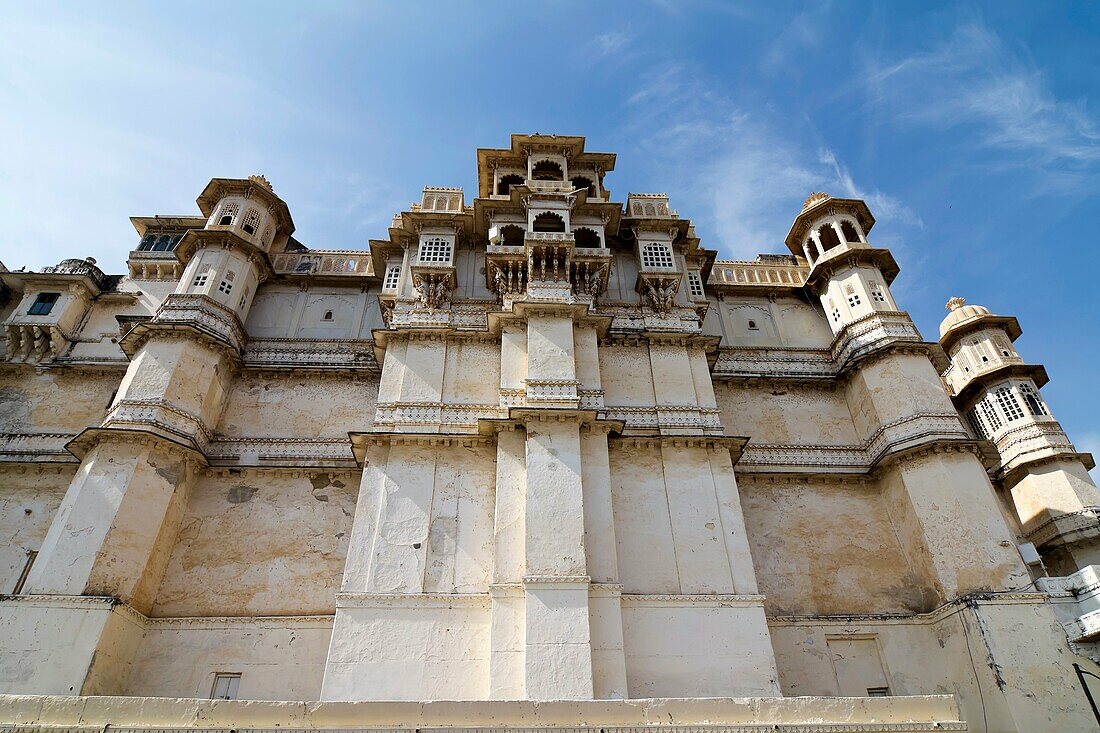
<point>786,414</point>
<point>1005,661</point>
<point>683,648</point>
<point>260,542</point>
<point>304,405</point>
<point>28,502</point>
<point>277,658</point>
<point>56,400</point>
<point>827,546</point>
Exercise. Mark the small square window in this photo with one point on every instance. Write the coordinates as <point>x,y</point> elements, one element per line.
<point>200,280</point>
<point>853,300</point>
<point>226,686</point>
<point>43,304</point>
<point>226,287</point>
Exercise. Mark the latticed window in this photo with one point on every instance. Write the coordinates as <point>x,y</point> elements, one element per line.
<point>876,293</point>
<point>251,221</point>
<point>695,285</point>
<point>657,256</point>
<point>393,277</point>
<point>976,424</point>
<point>435,249</point>
<point>244,299</point>
<point>201,278</point>
<point>853,300</point>
<point>228,213</point>
<point>1006,398</point>
<point>990,414</point>
<point>1034,402</point>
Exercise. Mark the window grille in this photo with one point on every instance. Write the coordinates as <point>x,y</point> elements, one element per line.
<point>1006,398</point>
<point>200,279</point>
<point>43,304</point>
<point>878,692</point>
<point>225,287</point>
<point>853,300</point>
<point>1034,402</point>
<point>876,293</point>
<point>147,243</point>
<point>975,421</point>
<point>393,277</point>
<point>990,415</point>
<point>657,255</point>
<point>226,686</point>
<point>228,214</point>
<point>244,298</point>
<point>251,221</point>
<point>435,249</point>
<point>695,285</point>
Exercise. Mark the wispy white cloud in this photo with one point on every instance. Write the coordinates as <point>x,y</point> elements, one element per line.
<point>744,173</point>
<point>974,78</point>
<point>804,34</point>
<point>612,43</point>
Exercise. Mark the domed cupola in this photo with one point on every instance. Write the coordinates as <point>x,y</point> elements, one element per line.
<point>851,277</point>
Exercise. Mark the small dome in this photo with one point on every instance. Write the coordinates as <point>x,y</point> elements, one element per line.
<point>813,198</point>
<point>959,312</point>
<point>261,181</point>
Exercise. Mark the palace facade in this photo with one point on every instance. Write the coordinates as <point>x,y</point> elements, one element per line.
<point>537,446</point>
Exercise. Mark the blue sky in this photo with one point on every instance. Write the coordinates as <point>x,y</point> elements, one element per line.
<point>973,131</point>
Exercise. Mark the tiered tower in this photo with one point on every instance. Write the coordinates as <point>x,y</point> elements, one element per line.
<point>111,536</point>
<point>1043,477</point>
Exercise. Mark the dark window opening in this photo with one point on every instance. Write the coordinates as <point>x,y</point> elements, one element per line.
<point>504,185</point>
<point>249,229</point>
<point>512,236</point>
<point>586,237</point>
<point>225,221</point>
<point>547,170</point>
<point>328,316</point>
<point>147,243</point>
<point>752,326</point>
<point>548,222</point>
<point>43,304</point>
<point>829,239</point>
<point>849,230</point>
<point>583,182</point>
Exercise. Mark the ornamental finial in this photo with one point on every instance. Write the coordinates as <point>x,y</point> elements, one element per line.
<point>813,198</point>
<point>955,303</point>
<point>263,182</point>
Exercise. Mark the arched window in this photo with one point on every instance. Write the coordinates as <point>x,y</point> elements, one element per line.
<point>1034,405</point>
<point>228,214</point>
<point>512,236</point>
<point>586,237</point>
<point>828,238</point>
<point>549,222</point>
<point>547,170</point>
<point>435,249</point>
<point>504,185</point>
<point>251,221</point>
<point>580,182</point>
<point>849,230</point>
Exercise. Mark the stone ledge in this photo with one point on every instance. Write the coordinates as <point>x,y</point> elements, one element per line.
<point>694,715</point>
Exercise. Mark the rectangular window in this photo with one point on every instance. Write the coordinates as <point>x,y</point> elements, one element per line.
<point>695,285</point>
<point>43,304</point>
<point>1009,404</point>
<point>393,277</point>
<point>226,287</point>
<point>990,414</point>
<point>656,256</point>
<point>435,249</point>
<point>226,686</point>
<point>31,555</point>
<point>200,279</point>
<point>876,293</point>
<point>878,692</point>
<point>853,300</point>
<point>975,421</point>
<point>244,297</point>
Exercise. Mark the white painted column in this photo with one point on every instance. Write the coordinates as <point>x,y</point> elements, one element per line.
<point>558,645</point>
<point>507,629</point>
<point>817,242</point>
<point>806,251</point>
